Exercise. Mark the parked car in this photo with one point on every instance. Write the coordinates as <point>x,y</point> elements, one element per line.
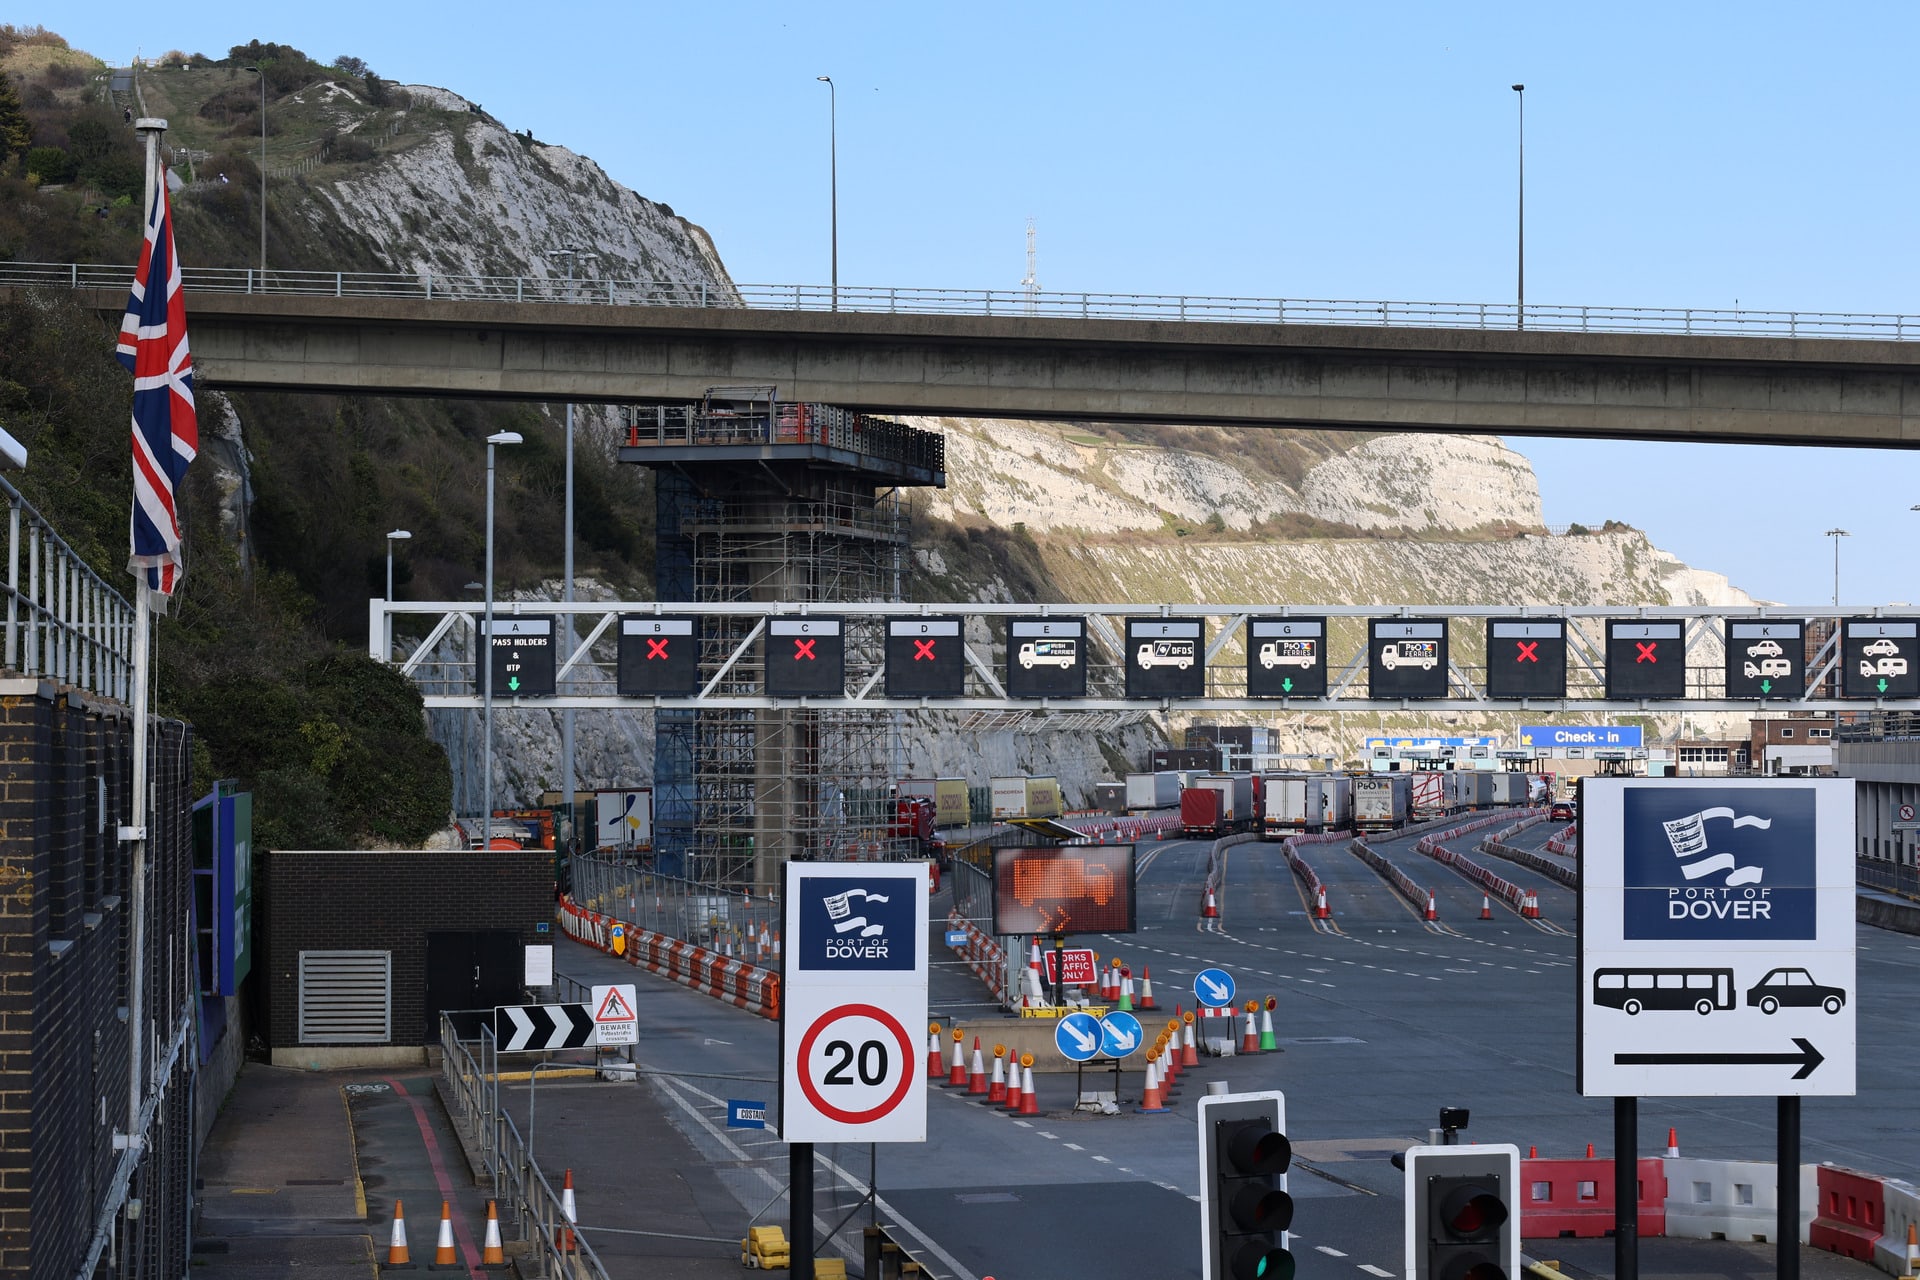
<point>1795,989</point>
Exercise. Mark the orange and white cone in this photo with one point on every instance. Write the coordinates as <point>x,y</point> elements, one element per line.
<point>1320,911</point>
<point>934,1065</point>
<point>957,1073</point>
<point>1673,1144</point>
<point>492,1254</point>
<point>1486,907</point>
<point>1151,1102</point>
<point>997,1087</point>
<point>1029,1105</point>
<point>1208,909</point>
<point>1013,1085</point>
<point>977,1075</point>
<point>563,1237</point>
<point>1189,1055</point>
<point>1250,1035</point>
<point>1433,912</point>
<point>1146,988</point>
<point>397,1242</point>
<point>1913,1252</point>
<point>443,1255</point>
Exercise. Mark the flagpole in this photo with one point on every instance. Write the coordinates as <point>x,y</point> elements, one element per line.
<point>136,830</point>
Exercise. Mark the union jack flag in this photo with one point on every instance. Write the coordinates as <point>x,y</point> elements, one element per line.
<point>166,435</point>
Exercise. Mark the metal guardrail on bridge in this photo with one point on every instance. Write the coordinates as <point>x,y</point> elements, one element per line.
<point>890,300</point>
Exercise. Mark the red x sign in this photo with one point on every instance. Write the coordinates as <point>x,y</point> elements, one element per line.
<point>1646,648</point>
<point>656,649</point>
<point>923,651</point>
<point>1528,650</point>
<point>803,649</point>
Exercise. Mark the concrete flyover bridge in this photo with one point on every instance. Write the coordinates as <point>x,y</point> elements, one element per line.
<point>1601,372</point>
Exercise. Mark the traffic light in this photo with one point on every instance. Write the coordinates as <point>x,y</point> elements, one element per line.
<point>1244,1206</point>
<point>1462,1219</point>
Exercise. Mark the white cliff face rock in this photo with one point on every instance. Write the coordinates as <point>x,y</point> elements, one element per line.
<point>1425,482</point>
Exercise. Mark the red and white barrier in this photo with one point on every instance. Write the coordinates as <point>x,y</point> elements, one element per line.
<point>743,985</point>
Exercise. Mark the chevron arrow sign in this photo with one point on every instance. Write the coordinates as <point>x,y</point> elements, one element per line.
<point>517,1028</point>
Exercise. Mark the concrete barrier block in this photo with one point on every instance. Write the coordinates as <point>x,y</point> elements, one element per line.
<point>1903,1210</point>
<point>1731,1200</point>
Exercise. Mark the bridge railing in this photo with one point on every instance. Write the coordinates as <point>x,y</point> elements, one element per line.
<point>634,292</point>
<point>62,619</point>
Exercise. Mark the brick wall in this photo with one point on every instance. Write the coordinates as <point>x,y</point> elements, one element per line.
<point>64,934</point>
<point>387,900</point>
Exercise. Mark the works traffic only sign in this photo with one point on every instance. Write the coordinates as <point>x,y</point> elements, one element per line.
<point>1716,937</point>
<point>855,990</point>
<point>1082,970</point>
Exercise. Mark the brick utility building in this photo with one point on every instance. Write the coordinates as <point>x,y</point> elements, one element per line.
<point>364,949</point>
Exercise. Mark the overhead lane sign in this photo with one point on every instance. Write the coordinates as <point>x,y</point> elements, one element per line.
<point>1766,659</point>
<point>659,656</point>
<point>806,657</point>
<point>1286,657</point>
<point>1046,658</point>
<point>1716,937</point>
<point>924,658</point>
<point>1526,658</point>
<point>1880,658</point>
<point>1407,658</point>
<point>1166,658</point>
<point>520,653</point>
<point>1646,659</point>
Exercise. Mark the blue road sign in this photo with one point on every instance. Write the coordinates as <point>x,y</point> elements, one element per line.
<point>956,937</point>
<point>1078,1037</point>
<point>1120,1034</point>
<point>1547,736</point>
<point>746,1115</point>
<point>1213,988</point>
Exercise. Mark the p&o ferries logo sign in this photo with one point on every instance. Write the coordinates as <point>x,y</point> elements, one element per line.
<point>1708,865</point>
<point>847,922</point>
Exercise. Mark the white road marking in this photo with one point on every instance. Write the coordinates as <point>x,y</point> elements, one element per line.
<point>1329,1250</point>
<point>1073,1146</point>
<point>1372,1270</point>
<point>1103,1160</point>
<point>1050,1137</point>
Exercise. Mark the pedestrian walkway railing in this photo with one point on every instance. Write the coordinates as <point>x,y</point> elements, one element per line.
<point>62,619</point>
<point>1887,876</point>
<point>730,921</point>
<point>1178,308</point>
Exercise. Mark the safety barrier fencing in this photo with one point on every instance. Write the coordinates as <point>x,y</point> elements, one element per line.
<point>1558,872</point>
<point>1901,1201</point>
<point>984,954</point>
<point>1852,1213</point>
<point>1888,876</point>
<point>736,982</point>
<point>1505,890</point>
<point>1117,829</point>
<point>731,922</point>
<point>751,1164</point>
<point>1566,843</point>
<point>1730,1199</point>
<point>1394,876</point>
<point>1575,1198</point>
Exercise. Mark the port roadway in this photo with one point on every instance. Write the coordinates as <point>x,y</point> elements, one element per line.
<point>1382,1019</point>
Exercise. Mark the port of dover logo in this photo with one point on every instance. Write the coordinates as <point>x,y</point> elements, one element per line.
<point>1708,865</point>
<point>850,923</point>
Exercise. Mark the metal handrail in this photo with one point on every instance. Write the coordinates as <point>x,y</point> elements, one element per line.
<point>62,619</point>
<point>635,292</point>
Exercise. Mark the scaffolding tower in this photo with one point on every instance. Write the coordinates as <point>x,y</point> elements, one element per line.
<point>759,500</point>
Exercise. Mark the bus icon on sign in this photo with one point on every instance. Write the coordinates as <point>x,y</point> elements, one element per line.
<point>1631,990</point>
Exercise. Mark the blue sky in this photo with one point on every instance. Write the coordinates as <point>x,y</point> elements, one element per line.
<point>1677,155</point>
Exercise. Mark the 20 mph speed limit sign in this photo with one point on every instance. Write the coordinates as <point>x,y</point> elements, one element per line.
<point>854,998</point>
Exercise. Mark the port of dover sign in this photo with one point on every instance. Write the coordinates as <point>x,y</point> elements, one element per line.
<point>1716,938</point>
<point>853,1003</point>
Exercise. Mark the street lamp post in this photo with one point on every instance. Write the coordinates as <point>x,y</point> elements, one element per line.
<point>1836,535</point>
<point>833,177</point>
<point>396,535</point>
<point>261,72</point>
<point>1520,92</point>
<point>571,254</point>
<point>486,657</point>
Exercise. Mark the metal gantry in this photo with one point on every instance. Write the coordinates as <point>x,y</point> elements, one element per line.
<point>733,670</point>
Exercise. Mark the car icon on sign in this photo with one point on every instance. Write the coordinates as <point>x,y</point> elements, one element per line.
<point>1793,989</point>
<point>1881,648</point>
<point>1764,649</point>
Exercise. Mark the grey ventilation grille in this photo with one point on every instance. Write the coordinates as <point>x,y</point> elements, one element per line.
<point>346,997</point>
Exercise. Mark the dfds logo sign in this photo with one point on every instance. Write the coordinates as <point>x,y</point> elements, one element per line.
<point>847,922</point>
<point>1711,865</point>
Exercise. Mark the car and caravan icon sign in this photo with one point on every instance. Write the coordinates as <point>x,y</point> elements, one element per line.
<point>847,922</point>
<point>1702,864</point>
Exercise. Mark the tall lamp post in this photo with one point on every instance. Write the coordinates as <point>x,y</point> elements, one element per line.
<point>261,72</point>
<point>486,657</point>
<point>1836,535</point>
<point>396,535</point>
<point>571,254</point>
<point>1520,310</point>
<point>833,177</point>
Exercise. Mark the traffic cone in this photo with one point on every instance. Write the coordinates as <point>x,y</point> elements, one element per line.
<point>1486,907</point>
<point>1320,911</point>
<point>1267,1044</point>
<point>1146,988</point>
<point>1589,1151</point>
<point>1173,1048</point>
<point>957,1073</point>
<point>1913,1252</point>
<point>776,944</point>
<point>443,1255</point>
<point>1673,1144</point>
<point>1150,1100</point>
<point>997,1087</point>
<point>1013,1084</point>
<point>977,1076</point>
<point>1208,909</point>
<point>1029,1105</point>
<point>491,1252</point>
<point>1189,1056</point>
<point>934,1065</point>
<point>1250,1038</point>
<point>1533,1152</point>
<point>564,1236</point>
<point>397,1242</point>
<point>1433,912</point>
<point>1126,990</point>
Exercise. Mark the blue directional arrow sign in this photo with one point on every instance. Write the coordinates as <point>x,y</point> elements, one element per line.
<point>1078,1037</point>
<point>1213,988</point>
<point>1120,1034</point>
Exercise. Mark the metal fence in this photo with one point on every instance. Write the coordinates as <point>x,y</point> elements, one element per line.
<point>63,620</point>
<point>735,922</point>
<point>1564,318</point>
<point>751,1164</point>
<point>1889,877</point>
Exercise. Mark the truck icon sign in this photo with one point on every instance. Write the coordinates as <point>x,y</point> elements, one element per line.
<point>1049,653</point>
<point>1424,654</point>
<point>1165,653</point>
<point>1287,653</point>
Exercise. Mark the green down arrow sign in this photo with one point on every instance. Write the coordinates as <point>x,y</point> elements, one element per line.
<point>513,683</point>
<point>1286,685</point>
<point>1882,685</point>
<point>1766,686</point>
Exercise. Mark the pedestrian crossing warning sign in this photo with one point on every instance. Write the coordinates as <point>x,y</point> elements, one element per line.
<point>613,1014</point>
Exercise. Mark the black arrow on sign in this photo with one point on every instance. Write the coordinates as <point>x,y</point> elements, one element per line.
<point>1808,1057</point>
